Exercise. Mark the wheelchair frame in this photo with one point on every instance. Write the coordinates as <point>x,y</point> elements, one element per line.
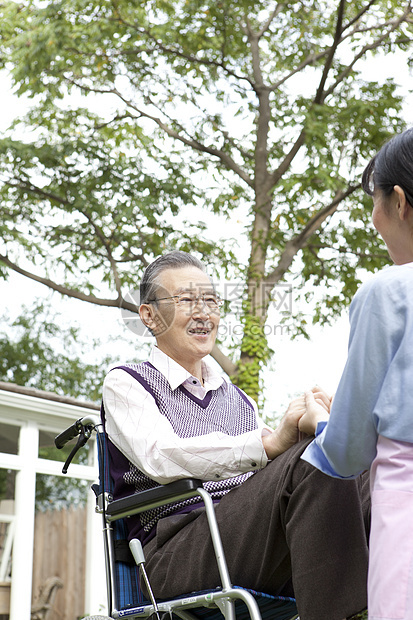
<point>113,510</point>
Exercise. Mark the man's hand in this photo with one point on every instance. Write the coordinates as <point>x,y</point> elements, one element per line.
<point>286,433</point>
<point>317,409</point>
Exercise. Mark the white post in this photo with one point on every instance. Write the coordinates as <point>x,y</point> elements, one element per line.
<point>95,586</point>
<point>25,494</point>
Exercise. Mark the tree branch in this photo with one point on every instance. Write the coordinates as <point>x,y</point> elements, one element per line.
<point>319,97</point>
<point>284,165</point>
<point>312,58</point>
<point>308,61</point>
<point>30,187</point>
<point>394,25</point>
<point>236,146</point>
<point>119,302</point>
<point>344,250</point>
<point>224,361</point>
<point>98,232</point>
<point>176,52</point>
<point>357,17</point>
<point>299,241</point>
<point>278,8</point>
<point>194,144</point>
<point>106,244</point>
<point>315,57</point>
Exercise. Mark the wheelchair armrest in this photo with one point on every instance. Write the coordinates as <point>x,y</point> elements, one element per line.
<point>152,498</point>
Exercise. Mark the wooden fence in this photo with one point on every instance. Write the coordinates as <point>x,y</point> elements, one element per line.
<point>59,551</point>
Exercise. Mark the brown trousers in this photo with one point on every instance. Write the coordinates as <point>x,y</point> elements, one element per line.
<point>289,529</point>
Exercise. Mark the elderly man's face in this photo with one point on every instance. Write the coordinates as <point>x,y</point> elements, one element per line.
<point>185,326</point>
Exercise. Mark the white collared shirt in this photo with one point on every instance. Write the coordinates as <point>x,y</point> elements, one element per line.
<point>137,428</point>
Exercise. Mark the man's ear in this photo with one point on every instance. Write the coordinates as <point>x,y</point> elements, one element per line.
<point>402,204</point>
<point>147,314</point>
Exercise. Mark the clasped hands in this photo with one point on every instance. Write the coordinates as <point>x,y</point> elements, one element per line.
<point>302,416</point>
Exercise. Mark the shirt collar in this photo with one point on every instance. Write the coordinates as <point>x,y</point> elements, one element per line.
<point>176,374</point>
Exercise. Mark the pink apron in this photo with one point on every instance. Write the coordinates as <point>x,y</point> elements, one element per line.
<point>390,580</point>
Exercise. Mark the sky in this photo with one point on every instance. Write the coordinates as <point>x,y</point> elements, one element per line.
<point>298,364</point>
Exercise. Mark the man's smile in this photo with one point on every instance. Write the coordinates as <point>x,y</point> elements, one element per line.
<point>200,330</point>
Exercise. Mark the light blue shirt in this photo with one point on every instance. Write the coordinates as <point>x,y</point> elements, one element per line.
<point>375,393</point>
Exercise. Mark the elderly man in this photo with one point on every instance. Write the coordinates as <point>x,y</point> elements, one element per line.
<point>286,527</point>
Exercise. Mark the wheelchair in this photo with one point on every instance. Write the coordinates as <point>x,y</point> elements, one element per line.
<point>124,575</point>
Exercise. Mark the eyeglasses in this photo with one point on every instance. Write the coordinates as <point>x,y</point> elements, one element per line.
<point>189,301</point>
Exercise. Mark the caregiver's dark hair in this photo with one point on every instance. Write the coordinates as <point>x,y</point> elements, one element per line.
<point>393,165</point>
<point>173,260</point>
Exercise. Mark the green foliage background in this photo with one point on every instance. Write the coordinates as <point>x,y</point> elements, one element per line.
<point>154,123</point>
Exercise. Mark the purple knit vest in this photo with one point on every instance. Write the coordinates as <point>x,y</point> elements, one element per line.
<point>226,410</point>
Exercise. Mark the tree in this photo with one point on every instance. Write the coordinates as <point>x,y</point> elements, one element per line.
<point>37,350</point>
<point>145,109</point>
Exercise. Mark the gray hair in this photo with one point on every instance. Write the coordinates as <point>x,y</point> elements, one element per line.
<point>173,260</point>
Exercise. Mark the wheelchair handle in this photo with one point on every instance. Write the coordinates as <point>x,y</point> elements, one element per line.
<point>68,434</point>
<point>82,429</point>
<point>75,429</point>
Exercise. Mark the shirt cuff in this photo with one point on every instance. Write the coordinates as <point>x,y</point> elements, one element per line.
<point>314,455</point>
<point>320,427</point>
